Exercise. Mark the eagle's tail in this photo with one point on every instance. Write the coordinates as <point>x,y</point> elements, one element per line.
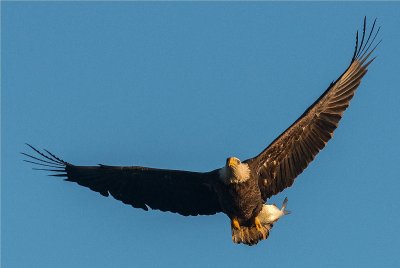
<point>250,235</point>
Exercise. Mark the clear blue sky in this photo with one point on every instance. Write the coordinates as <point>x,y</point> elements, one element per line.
<point>183,86</point>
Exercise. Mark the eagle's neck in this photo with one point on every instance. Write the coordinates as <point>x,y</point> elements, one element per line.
<point>236,174</point>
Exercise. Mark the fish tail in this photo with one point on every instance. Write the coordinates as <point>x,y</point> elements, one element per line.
<point>284,204</point>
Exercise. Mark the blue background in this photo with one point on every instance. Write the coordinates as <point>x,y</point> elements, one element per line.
<point>183,86</point>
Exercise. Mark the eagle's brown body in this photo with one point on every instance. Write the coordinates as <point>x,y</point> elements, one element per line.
<point>241,200</point>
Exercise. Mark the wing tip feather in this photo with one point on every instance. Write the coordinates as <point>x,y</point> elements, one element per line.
<point>46,162</point>
<point>362,51</point>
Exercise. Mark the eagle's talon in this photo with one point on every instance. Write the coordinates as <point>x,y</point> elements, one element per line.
<point>236,224</point>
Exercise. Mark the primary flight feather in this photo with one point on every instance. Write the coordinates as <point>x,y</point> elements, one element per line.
<point>239,189</point>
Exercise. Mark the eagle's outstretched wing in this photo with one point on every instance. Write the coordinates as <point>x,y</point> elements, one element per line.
<point>183,192</point>
<point>289,154</point>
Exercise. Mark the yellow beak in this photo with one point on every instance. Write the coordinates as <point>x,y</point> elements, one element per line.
<point>232,162</point>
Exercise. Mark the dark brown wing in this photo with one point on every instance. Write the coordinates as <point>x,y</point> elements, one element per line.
<point>183,192</point>
<point>288,155</point>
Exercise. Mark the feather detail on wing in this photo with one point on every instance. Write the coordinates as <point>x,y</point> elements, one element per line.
<point>183,192</point>
<point>289,154</point>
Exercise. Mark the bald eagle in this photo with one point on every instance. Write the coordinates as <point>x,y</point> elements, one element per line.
<point>240,189</point>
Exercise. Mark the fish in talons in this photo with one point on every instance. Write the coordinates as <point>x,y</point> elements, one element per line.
<point>261,226</point>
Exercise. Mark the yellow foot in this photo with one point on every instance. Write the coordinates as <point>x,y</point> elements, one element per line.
<point>235,223</point>
<point>257,222</point>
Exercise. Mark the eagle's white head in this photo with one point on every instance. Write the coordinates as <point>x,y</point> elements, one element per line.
<point>234,171</point>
